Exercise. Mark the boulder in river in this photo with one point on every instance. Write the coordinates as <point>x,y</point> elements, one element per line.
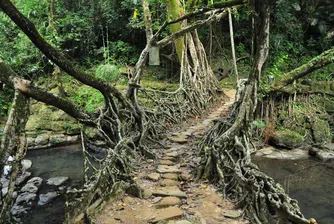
<point>287,139</point>
<point>26,164</point>
<point>42,140</point>
<point>25,198</point>
<point>57,181</point>
<point>37,181</point>
<point>22,178</point>
<point>46,198</point>
<point>29,187</point>
<point>18,209</point>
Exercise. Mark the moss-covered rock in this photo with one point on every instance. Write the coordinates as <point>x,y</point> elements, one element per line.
<point>287,139</point>
<point>321,131</point>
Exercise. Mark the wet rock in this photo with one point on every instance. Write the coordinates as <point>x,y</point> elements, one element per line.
<point>234,214</point>
<point>170,191</point>
<point>325,155</point>
<point>30,188</point>
<point>172,176</point>
<point>167,214</point>
<point>168,169</point>
<point>166,162</point>
<point>22,178</point>
<point>46,198</point>
<point>169,201</point>
<point>19,209</point>
<point>153,176</point>
<point>168,182</point>
<point>26,164</point>
<point>37,181</point>
<point>57,181</point>
<point>4,191</point>
<point>329,146</point>
<point>72,139</point>
<point>287,139</point>
<point>25,198</point>
<point>293,154</point>
<point>42,139</point>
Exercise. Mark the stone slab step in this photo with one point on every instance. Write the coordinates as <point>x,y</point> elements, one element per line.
<point>171,176</point>
<point>168,169</point>
<point>166,162</point>
<point>170,191</point>
<point>168,182</point>
<point>167,214</point>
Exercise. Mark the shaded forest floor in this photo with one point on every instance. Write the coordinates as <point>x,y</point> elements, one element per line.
<point>170,194</point>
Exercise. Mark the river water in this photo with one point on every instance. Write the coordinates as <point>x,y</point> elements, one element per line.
<point>309,181</point>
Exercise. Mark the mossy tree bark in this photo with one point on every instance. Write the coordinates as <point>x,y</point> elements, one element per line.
<point>14,144</point>
<point>226,148</point>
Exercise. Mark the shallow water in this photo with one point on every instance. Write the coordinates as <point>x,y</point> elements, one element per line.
<point>54,162</point>
<point>309,181</point>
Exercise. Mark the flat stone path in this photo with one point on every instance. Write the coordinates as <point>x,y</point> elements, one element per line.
<point>176,198</point>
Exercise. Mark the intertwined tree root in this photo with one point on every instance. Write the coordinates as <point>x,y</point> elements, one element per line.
<point>226,159</point>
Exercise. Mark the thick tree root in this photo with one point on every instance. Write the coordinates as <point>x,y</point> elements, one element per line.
<point>225,153</point>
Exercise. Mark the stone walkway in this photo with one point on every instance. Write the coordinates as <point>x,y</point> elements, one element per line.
<point>168,192</point>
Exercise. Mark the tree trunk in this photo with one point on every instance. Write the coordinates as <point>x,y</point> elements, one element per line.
<point>232,43</point>
<point>226,148</point>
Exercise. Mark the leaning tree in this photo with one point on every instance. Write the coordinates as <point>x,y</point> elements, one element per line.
<point>123,122</point>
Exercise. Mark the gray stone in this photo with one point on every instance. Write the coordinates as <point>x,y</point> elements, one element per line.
<point>22,178</point>
<point>325,155</point>
<point>26,164</point>
<point>168,169</point>
<point>46,198</point>
<point>56,181</point>
<point>153,176</point>
<point>170,191</point>
<point>18,209</point>
<point>72,139</point>
<point>329,146</point>
<point>167,214</point>
<point>29,187</point>
<point>42,139</point>
<point>4,191</point>
<point>37,181</point>
<point>25,198</point>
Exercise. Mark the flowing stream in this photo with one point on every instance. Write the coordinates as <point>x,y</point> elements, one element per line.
<point>309,181</point>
